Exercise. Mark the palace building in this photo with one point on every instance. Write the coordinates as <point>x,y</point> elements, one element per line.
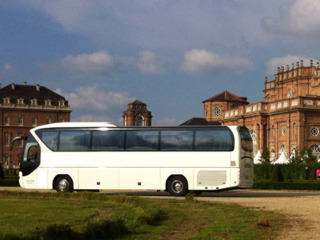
<point>286,120</point>
<point>23,107</point>
<point>137,114</point>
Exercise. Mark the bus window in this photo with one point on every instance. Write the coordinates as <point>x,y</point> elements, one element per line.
<point>50,139</point>
<point>214,140</point>
<point>176,140</point>
<point>246,140</point>
<point>74,141</point>
<point>107,140</point>
<point>142,141</point>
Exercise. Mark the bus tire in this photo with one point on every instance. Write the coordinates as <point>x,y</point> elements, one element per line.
<point>177,186</point>
<point>63,184</point>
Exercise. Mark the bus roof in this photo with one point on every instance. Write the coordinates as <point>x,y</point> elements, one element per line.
<point>109,125</point>
<point>76,124</point>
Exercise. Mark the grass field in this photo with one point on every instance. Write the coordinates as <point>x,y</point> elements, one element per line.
<point>95,216</point>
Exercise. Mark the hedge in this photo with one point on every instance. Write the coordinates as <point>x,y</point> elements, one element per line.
<point>290,172</point>
<point>10,180</point>
<point>9,183</point>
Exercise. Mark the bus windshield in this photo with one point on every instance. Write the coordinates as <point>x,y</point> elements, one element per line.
<point>246,140</point>
<point>30,159</point>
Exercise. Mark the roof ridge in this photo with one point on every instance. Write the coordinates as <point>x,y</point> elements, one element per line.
<point>226,96</point>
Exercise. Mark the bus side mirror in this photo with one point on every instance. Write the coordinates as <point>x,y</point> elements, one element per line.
<point>17,139</point>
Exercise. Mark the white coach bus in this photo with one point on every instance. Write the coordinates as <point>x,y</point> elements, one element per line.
<point>101,156</point>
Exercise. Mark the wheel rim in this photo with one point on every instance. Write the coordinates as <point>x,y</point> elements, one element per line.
<point>177,186</point>
<point>63,185</point>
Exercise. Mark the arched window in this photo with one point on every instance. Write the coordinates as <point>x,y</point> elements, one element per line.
<point>315,150</point>
<point>293,153</point>
<point>272,155</point>
<point>254,140</point>
<point>139,121</point>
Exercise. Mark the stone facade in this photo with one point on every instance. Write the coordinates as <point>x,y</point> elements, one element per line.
<point>287,119</point>
<point>23,107</point>
<point>137,114</point>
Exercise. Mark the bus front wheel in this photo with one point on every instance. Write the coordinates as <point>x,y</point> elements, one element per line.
<point>64,184</point>
<point>177,186</point>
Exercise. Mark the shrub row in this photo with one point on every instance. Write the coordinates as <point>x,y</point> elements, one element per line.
<point>290,172</point>
<point>10,180</point>
<point>9,183</point>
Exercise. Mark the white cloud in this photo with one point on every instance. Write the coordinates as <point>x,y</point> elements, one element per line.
<point>70,14</point>
<point>149,24</point>
<point>301,18</point>
<point>91,99</point>
<point>149,63</point>
<point>97,63</point>
<point>7,68</point>
<point>274,63</point>
<point>201,62</point>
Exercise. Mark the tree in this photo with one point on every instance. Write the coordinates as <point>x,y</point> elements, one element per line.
<point>265,156</point>
<point>265,159</point>
<point>296,157</point>
<point>307,156</point>
<point>303,156</point>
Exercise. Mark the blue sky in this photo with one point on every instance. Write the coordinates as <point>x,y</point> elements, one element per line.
<point>171,55</point>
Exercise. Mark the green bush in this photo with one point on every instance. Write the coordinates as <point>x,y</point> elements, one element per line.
<point>290,172</point>
<point>10,180</point>
<point>277,174</point>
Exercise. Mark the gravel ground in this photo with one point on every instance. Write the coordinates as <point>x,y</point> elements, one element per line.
<point>302,212</point>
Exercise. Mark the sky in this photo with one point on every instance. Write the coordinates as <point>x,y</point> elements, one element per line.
<point>102,55</point>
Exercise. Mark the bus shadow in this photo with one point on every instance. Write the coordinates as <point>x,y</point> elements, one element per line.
<point>224,194</point>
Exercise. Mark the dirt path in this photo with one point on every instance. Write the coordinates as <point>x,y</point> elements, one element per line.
<point>302,212</point>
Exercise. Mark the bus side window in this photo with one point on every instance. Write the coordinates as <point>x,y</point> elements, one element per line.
<point>32,153</point>
<point>50,138</point>
<point>176,140</point>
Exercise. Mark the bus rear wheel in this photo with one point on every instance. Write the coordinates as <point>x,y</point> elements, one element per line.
<point>64,184</point>
<point>177,186</point>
